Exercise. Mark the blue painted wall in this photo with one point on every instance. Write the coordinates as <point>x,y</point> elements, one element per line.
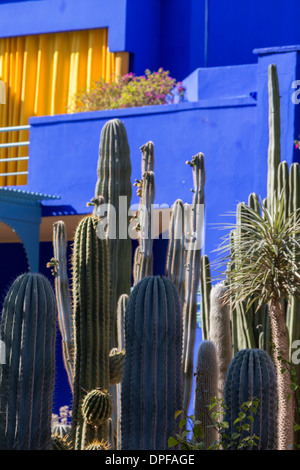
<point>165,33</point>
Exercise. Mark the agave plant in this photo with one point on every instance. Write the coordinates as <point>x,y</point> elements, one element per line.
<point>266,270</point>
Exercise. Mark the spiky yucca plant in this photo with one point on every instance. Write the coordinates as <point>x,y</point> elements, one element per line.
<point>266,270</point>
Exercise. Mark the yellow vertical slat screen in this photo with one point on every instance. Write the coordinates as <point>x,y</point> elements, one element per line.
<point>41,74</point>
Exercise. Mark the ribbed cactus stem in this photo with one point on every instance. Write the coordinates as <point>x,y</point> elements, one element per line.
<point>147,151</point>
<point>152,380</point>
<point>92,322</point>
<point>175,261</point>
<point>220,332</point>
<point>251,375</point>
<point>114,185</point>
<point>63,298</point>
<point>274,151</point>
<point>121,309</point>
<point>205,289</point>
<point>206,389</point>
<point>192,279</point>
<point>292,318</point>
<point>116,363</point>
<point>28,331</point>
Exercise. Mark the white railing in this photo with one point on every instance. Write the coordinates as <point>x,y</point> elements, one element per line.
<point>14,144</point>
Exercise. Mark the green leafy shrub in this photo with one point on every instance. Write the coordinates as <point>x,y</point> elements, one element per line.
<point>241,439</point>
<point>129,91</point>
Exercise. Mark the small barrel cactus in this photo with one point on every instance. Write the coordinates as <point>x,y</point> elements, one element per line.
<point>97,407</point>
<point>251,375</point>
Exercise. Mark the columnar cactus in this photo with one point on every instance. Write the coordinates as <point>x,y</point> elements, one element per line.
<point>114,185</point>
<point>152,380</point>
<point>205,289</point>
<point>192,277</point>
<point>92,323</point>
<point>274,150</point>
<point>206,389</point>
<point>220,332</point>
<point>121,309</point>
<point>176,254</point>
<point>251,375</point>
<point>28,331</point>
<point>143,257</point>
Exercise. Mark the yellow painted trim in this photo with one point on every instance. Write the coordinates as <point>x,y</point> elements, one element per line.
<point>43,73</point>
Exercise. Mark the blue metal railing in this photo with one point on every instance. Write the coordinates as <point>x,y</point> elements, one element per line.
<point>14,144</point>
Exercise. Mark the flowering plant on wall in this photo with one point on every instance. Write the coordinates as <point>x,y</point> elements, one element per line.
<point>129,91</point>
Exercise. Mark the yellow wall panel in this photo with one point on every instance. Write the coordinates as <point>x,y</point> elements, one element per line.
<point>42,73</point>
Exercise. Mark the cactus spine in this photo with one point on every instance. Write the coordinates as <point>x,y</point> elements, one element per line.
<point>251,375</point>
<point>28,330</point>
<point>152,380</point>
<point>207,378</point>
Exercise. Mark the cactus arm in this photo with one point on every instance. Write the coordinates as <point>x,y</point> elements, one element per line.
<point>63,298</point>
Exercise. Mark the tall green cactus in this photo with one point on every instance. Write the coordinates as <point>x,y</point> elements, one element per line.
<point>274,150</point>
<point>92,323</point>
<point>252,375</point>
<point>114,185</point>
<point>28,331</point>
<point>152,380</point>
<point>206,389</point>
